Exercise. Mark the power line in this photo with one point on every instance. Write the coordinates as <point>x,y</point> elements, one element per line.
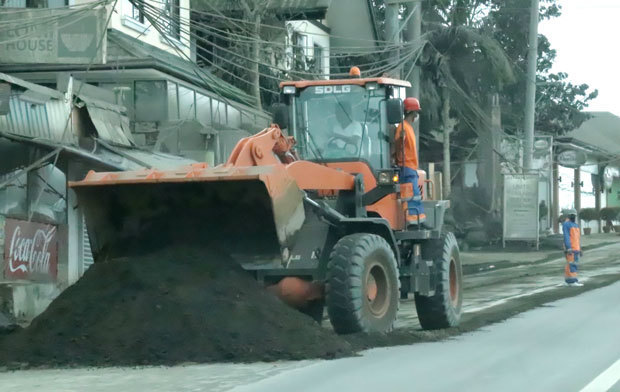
<point>160,26</point>
<point>230,36</point>
<point>236,21</point>
<point>216,88</point>
<point>182,29</point>
<point>361,49</point>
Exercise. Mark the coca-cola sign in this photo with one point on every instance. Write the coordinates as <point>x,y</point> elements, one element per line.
<point>30,250</point>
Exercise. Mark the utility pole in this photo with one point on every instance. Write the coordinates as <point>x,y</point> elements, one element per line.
<point>530,92</point>
<point>555,206</point>
<point>577,189</point>
<point>414,33</point>
<point>392,32</point>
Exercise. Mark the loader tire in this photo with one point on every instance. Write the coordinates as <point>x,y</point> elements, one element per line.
<point>362,285</point>
<point>443,310</point>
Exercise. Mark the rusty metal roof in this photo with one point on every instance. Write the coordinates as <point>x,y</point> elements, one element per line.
<point>109,157</point>
<point>42,90</point>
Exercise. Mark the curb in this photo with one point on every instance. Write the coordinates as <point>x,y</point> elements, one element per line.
<point>473,269</point>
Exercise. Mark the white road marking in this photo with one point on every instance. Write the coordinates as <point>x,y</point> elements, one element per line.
<point>605,380</point>
<point>474,309</point>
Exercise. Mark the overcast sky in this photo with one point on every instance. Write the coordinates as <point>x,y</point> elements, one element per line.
<point>586,38</point>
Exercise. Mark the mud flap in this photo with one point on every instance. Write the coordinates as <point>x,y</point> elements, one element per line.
<point>423,277</point>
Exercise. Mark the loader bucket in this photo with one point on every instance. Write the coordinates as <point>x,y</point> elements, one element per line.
<point>252,213</point>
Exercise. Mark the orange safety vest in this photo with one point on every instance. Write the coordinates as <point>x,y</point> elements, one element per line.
<point>406,146</point>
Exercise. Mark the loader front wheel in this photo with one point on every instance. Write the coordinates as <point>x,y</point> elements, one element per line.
<point>362,285</point>
<point>443,310</point>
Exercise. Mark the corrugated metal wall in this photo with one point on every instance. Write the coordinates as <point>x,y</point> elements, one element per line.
<point>46,120</point>
<point>86,252</point>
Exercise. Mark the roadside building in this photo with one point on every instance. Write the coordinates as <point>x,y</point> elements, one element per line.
<point>47,138</point>
<point>286,39</point>
<point>588,165</point>
<point>87,87</point>
<point>172,105</point>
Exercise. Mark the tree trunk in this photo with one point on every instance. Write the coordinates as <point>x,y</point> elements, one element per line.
<point>447,129</point>
<point>255,54</point>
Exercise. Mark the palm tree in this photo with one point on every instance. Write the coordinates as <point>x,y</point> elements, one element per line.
<point>461,67</point>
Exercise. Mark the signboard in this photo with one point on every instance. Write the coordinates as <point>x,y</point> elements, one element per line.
<point>521,207</point>
<point>30,250</point>
<point>62,36</point>
<point>572,158</point>
<point>541,143</point>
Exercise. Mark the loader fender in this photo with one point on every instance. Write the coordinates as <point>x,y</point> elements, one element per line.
<point>341,225</point>
<point>378,226</point>
<point>347,226</point>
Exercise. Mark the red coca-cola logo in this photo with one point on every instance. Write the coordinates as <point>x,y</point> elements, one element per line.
<point>30,249</point>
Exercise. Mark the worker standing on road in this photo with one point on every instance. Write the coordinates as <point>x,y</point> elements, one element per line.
<point>572,248</point>
<point>407,159</point>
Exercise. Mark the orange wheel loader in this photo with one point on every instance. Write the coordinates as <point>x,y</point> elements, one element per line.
<point>311,206</point>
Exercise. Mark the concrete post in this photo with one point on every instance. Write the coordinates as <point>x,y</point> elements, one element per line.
<point>597,201</point>
<point>577,189</point>
<point>530,94</point>
<point>392,33</point>
<point>555,206</point>
<point>74,224</point>
<point>414,32</point>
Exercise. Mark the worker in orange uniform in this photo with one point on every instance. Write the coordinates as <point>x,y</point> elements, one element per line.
<point>572,248</point>
<point>407,160</point>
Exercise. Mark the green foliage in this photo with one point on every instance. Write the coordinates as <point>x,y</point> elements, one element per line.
<point>559,102</point>
<point>475,48</point>
<point>609,214</point>
<point>465,62</point>
<point>588,214</point>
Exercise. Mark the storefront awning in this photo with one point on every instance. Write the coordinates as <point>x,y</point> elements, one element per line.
<point>109,120</point>
<point>105,156</point>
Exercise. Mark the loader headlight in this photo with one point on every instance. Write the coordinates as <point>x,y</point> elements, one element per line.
<point>387,178</point>
<point>289,90</point>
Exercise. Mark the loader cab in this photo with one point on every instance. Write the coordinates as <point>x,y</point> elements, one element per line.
<point>344,120</point>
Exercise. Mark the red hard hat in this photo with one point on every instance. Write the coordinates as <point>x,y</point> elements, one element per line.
<point>412,105</point>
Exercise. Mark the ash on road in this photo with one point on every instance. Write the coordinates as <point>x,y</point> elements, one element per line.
<point>174,306</point>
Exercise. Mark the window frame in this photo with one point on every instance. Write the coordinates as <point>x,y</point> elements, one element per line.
<point>172,22</point>
<point>318,58</point>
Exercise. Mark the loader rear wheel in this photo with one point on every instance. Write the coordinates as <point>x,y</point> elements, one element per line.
<point>443,310</point>
<point>362,285</point>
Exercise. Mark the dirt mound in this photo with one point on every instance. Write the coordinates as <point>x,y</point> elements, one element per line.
<point>165,308</point>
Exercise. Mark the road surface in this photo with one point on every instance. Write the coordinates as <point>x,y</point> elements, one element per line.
<point>564,346</point>
<point>496,287</point>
